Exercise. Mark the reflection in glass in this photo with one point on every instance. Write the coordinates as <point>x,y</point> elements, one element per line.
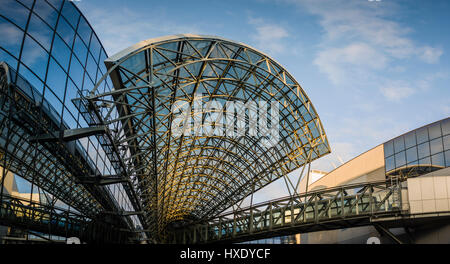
<point>446,140</point>
<point>400,159</point>
<point>399,144</point>
<point>436,146</point>
<point>410,139</point>
<point>438,160</point>
<point>423,150</point>
<point>40,31</point>
<point>435,131</point>
<point>35,57</point>
<point>422,135</point>
<point>388,148</point>
<point>411,154</point>
<point>447,158</point>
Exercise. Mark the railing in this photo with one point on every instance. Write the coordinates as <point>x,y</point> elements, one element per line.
<point>350,205</point>
<point>40,217</point>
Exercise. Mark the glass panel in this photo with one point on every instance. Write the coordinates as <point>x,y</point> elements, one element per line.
<point>8,58</point>
<point>61,52</point>
<point>32,79</point>
<point>84,31</point>
<point>446,142</point>
<point>70,13</point>
<point>411,154</point>
<point>95,47</point>
<point>390,164</point>
<point>400,159</point>
<point>425,161</point>
<point>35,57</point>
<point>438,160</point>
<point>424,150</point>
<point>447,158</point>
<point>80,50</point>
<point>40,31</point>
<point>56,79</point>
<point>15,12</point>
<point>435,131</point>
<point>91,68</point>
<point>436,146</point>
<point>54,103</point>
<point>399,144</point>
<point>46,13</point>
<point>446,126</point>
<point>55,3</point>
<point>11,37</point>
<point>388,148</point>
<point>410,139</point>
<point>422,135</point>
<point>65,31</point>
<point>76,72</point>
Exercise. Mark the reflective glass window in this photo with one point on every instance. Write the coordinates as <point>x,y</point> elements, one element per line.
<point>447,158</point>
<point>31,78</point>
<point>76,72</point>
<point>425,161</point>
<point>61,52</point>
<point>438,160</point>
<point>400,159</point>
<point>436,146</point>
<point>435,131</point>
<point>70,13</point>
<point>80,50</point>
<point>388,148</point>
<point>27,3</point>
<point>411,154</point>
<point>390,165</point>
<point>54,102</point>
<point>35,57</point>
<point>11,37</point>
<point>15,12</point>
<point>56,79</point>
<point>91,67</point>
<point>55,3</point>
<point>410,139</point>
<point>95,48</point>
<point>46,12</point>
<point>40,31</point>
<point>7,58</point>
<point>84,30</point>
<point>446,140</point>
<point>422,135</point>
<point>446,126</point>
<point>65,31</point>
<point>423,150</point>
<point>399,144</point>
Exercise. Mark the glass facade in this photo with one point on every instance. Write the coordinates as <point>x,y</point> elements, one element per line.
<point>52,46</point>
<point>420,151</point>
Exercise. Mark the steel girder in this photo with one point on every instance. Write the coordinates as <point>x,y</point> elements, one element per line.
<point>195,177</point>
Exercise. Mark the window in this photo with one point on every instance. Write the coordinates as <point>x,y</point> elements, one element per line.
<point>400,159</point>
<point>411,154</point>
<point>422,135</point>
<point>435,131</point>
<point>438,160</point>
<point>399,144</point>
<point>424,150</point>
<point>410,139</point>
<point>35,57</point>
<point>436,146</point>
<point>11,37</point>
<point>388,148</point>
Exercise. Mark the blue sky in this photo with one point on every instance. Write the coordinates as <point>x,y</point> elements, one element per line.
<point>373,70</point>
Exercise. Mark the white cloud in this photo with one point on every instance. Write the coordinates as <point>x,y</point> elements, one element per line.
<point>397,90</point>
<point>346,22</point>
<point>269,37</point>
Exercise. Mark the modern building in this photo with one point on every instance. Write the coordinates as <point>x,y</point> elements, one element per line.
<point>161,143</point>
<point>421,160</point>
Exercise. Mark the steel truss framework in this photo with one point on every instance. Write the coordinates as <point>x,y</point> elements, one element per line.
<point>196,177</point>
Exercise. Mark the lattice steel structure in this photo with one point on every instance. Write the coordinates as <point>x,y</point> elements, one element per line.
<point>191,178</point>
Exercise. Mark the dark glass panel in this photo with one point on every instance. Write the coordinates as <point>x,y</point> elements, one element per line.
<point>56,79</point>
<point>35,57</point>
<point>435,131</point>
<point>447,158</point>
<point>11,37</point>
<point>84,30</point>
<point>70,13</point>
<point>91,68</point>
<point>55,3</point>
<point>388,148</point>
<point>446,126</point>
<point>15,12</point>
<point>32,79</point>
<point>46,12</point>
<point>438,160</point>
<point>390,165</point>
<point>11,61</point>
<point>410,139</point>
<point>54,102</point>
<point>61,52</point>
<point>446,142</point>
<point>40,31</point>
<point>27,3</point>
<point>65,31</point>
<point>436,146</point>
<point>80,50</point>
<point>399,144</point>
<point>400,159</point>
<point>95,48</point>
<point>422,135</point>
<point>76,72</point>
<point>423,150</point>
<point>411,154</point>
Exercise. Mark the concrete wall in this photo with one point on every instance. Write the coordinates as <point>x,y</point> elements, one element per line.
<point>366,167</point>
